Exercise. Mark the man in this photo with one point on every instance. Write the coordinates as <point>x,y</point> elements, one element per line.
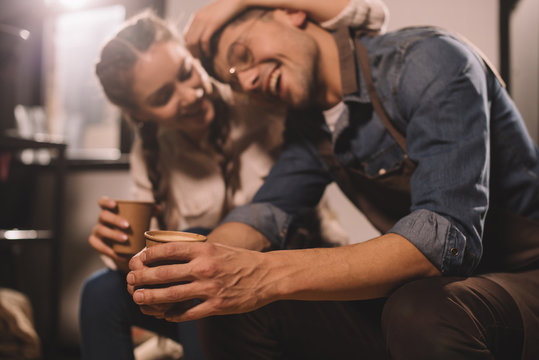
<point>435,154</point>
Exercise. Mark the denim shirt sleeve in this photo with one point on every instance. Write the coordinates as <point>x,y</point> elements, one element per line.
<point>296,181</point>
<point>437,239</point>
<point>271,221</point>
<point>442,92</point>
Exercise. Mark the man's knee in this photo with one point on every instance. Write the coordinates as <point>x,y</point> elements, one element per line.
<point>426,319</point>
<point>238,336</point>
<point>447,318</point>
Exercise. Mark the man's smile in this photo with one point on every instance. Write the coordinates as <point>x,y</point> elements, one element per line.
<point>275,82</point>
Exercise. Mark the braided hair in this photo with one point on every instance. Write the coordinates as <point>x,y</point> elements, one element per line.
<point>115,72</point>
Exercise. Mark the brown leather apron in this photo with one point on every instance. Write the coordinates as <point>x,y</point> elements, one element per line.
<point>510,241</point>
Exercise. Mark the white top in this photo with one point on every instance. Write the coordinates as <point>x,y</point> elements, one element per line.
<point>333,114</point>
<point>370,15</point>
<point>195,178</point>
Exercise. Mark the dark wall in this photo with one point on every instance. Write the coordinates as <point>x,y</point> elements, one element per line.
<point>20,60</point>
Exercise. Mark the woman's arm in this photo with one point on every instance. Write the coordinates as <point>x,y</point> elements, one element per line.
<point>206,21</point>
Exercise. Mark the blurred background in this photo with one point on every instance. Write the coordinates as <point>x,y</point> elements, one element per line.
<point>62,145</point>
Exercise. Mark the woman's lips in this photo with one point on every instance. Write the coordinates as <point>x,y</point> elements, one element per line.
<point>195,110</point>
<point>192,113</point>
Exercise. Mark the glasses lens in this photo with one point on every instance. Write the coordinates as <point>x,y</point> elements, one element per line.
<point>239,57</point>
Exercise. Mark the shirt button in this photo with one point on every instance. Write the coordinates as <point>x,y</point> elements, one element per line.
<point>454,251</point>
<point>382,171</point>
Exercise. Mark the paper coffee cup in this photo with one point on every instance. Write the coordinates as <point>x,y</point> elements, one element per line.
<point>138,214</point>
<point>159,237</point>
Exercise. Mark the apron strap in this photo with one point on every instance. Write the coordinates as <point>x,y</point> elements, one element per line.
<point>342,176</point>
<point>364,64</point>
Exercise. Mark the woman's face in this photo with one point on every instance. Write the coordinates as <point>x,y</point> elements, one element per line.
<point>171,88</point>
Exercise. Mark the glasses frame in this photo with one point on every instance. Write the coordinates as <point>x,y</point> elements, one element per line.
<point>230,75</point>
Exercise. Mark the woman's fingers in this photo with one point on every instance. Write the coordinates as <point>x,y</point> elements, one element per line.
<point>100,246</point>
<point>107,217</point>
<point>105,202</point>
<point>206,21</point>
<point>110,228</point>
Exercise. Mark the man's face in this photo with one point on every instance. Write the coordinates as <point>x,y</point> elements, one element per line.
<point>269,57</point>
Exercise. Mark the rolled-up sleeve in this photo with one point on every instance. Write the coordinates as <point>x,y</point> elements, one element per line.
<point>441,242</point>
<point>268,219</point>
<point>448,137</point>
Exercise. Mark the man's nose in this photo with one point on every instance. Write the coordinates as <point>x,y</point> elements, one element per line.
<point>249,79</point>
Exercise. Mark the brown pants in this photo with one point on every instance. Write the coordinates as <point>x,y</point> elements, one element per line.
<point>493,316</point>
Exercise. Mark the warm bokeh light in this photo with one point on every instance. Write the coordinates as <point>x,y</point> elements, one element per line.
<point>24,34</point>
<point>72,4</point>
<point>18,32</point>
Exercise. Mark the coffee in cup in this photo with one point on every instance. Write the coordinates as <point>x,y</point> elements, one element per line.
<point>157,237</point>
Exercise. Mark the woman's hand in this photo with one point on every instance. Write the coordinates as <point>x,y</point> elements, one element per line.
<point>210,18</point>
<point>206,21</point>
<point>110,228</point>
<point>226,280</point>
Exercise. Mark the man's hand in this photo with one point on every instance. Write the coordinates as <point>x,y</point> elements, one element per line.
<point>230,280</point>
<point>226,280</point>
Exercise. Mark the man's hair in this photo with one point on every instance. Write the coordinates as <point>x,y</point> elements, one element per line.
<point>251,13</point>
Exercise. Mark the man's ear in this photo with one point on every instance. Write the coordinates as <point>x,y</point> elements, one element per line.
<point>297,18</point>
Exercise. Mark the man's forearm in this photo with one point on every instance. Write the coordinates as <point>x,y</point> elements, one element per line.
<point>361,271</point>
<point>239,235</point>
<point>233,280</point>
<point>366,270</point>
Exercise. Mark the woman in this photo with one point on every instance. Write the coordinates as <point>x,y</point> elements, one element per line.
<point>199,151</point>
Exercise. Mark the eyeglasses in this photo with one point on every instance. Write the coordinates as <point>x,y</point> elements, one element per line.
<point>239,58</point>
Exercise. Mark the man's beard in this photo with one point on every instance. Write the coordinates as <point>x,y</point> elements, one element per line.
<point>309,78</point>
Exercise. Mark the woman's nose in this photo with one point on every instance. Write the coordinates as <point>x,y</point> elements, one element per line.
<point>189,95</point>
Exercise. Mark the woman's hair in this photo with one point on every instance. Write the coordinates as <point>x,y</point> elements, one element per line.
<point>120,53</point>
<point>115,72</point>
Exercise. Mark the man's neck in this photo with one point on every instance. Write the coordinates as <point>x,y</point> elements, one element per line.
<point>329,80</point>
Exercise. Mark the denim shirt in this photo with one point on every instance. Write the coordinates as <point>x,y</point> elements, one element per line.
<point>462,130</point>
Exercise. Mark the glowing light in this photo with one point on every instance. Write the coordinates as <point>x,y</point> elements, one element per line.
<point>24,34</point>
<point>72,4</point>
